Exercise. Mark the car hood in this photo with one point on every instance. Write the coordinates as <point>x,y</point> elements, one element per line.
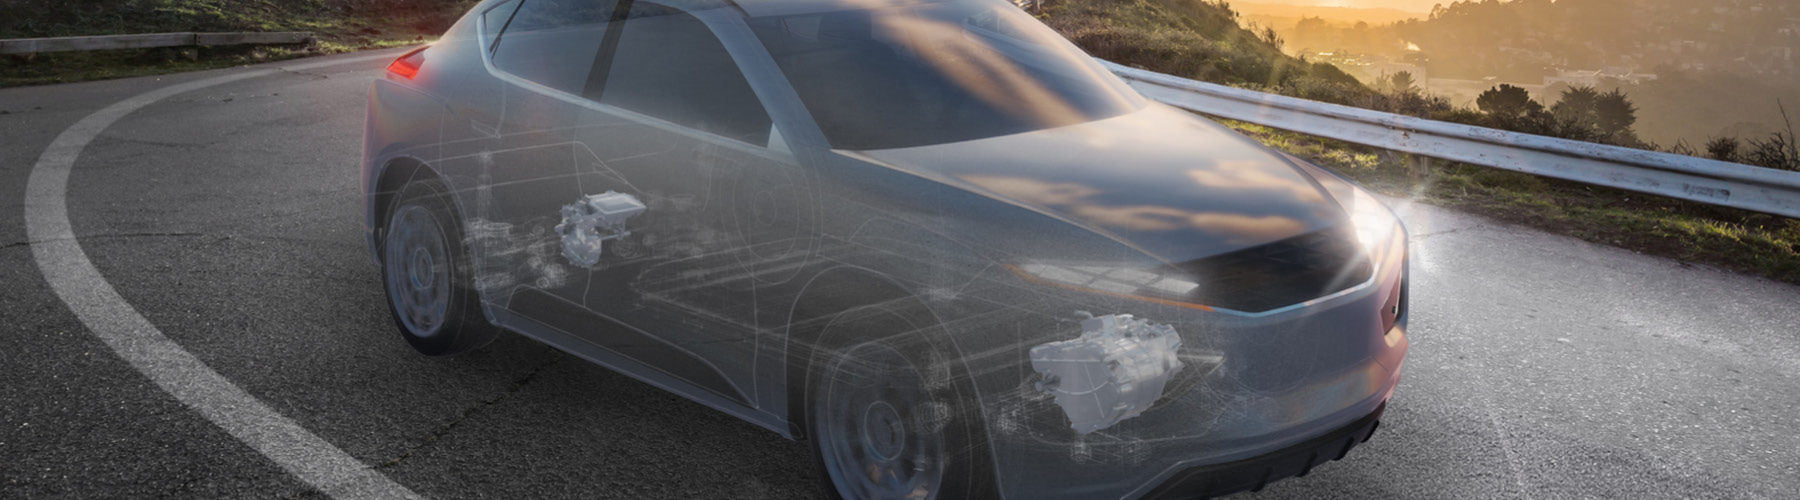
<point>1167,182</point>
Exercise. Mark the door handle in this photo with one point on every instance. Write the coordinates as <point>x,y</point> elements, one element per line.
<point>479,121</point>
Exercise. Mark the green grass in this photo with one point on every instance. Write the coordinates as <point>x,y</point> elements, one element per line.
<point>86,66</point>
<point>339,25</point>
<point>1748,242</point>
<point>1197,39</point>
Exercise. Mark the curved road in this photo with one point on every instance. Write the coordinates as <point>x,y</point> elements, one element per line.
<point>1541,366</point>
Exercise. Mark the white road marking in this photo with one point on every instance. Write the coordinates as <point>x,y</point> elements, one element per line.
<point>75,280</point>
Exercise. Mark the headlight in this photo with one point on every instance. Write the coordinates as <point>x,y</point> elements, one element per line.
<point>1382,237</point>
<point>1375,224</point>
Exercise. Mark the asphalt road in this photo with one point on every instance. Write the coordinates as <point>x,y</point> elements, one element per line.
<point>1541,366</point>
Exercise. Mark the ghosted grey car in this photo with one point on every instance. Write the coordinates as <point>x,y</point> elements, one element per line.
<point>931,238</point>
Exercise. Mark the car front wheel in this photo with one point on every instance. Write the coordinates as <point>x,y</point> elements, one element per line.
<point>890,418</point>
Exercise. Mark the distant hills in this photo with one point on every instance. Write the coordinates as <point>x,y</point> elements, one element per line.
<point>1696,69</point>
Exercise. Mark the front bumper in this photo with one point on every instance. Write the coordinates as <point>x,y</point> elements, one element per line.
<point>1252,474</point>
<point>1257,388</point>
<point>1250,437</point>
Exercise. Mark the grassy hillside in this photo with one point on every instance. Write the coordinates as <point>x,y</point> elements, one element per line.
<point>1203,40</point>
<point>338,19</point>
<point>341,26</point>
<point>1191,38</point>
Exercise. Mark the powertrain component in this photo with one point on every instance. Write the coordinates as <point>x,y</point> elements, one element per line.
<point>1114,371</point>
<point>592,220</point>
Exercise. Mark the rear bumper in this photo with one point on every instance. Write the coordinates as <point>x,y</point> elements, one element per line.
<point>1252,474</point>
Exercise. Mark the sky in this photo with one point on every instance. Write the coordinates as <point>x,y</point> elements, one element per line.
<point>1406,5</point>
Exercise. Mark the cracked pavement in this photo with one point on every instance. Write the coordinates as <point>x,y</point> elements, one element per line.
<point>1541,366</point>
<point>471,411</point>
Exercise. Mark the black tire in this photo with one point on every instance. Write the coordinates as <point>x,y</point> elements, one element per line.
<point>917,424</point>
<point>426,273</point>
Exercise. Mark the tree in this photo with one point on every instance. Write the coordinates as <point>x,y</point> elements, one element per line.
<point>1614,115</point>
<point>1723,149</point>
<point>1511,108</point>
<point>1577,106</point>
<point>1778,151</point>
<point>1507,102</point>
<point>1269,36</point>
<point>1401,83</point>
<point>1586,114</point>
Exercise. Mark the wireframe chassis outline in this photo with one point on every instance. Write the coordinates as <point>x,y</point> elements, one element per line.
<point>727,260</point>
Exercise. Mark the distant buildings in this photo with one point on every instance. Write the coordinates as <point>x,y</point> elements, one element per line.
<point>1370,69</point>
<point>1596,77</point>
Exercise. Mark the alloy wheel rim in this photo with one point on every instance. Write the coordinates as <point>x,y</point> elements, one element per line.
<point>880,438</point>
<point>418,271</point>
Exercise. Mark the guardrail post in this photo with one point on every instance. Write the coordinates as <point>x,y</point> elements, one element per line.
<point>1417,167</point>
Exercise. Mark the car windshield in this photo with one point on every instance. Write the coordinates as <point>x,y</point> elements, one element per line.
<point>937,73</point>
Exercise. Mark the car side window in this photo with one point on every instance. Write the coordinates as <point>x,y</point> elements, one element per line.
<point>551,42</point>
<point>669,65</point>
<point>494,19</point>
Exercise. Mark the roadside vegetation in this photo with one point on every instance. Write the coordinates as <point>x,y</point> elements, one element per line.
<point>339,25</point>
<point>1203,40</point>
<point>1738,240</point>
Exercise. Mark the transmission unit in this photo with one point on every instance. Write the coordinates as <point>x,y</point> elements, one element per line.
<point>593,219</point>
<point>1114,371</point>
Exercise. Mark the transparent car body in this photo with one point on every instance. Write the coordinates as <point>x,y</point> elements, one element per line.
<point>747,168</point>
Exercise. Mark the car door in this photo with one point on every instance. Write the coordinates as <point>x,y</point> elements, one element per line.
<point>683,206</point>
<point>522,151</point>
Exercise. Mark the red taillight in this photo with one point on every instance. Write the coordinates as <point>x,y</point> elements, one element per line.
<point>407,66</point>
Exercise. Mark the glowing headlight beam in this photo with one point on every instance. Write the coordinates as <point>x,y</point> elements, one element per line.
<point>1374,223</point>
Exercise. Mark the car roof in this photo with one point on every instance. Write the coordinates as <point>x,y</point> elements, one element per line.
<point>761,8</point>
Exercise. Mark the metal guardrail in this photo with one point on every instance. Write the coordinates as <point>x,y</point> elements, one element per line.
<point>152,40</point>
<point>1676,176</point>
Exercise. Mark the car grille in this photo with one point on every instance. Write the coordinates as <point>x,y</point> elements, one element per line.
<point>1280,274</point>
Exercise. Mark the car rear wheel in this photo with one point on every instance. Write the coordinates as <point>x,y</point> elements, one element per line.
<point>425,271</point>
<point>890,418</point>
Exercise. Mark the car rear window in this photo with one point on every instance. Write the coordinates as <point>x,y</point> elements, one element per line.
<point>667,64</point>
<point>551,42</point>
